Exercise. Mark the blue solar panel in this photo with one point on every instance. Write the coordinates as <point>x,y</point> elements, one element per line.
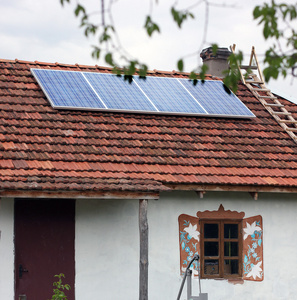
<point>169,95</point>
<point>99,91</point>
<point>67,89</point>
<point>213,97</point>
<point>118,94</point>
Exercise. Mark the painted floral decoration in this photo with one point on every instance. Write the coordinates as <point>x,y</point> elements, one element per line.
<point>252,265</point>
<point>189,240</point>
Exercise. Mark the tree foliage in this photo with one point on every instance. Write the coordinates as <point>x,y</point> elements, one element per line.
<point>271,16</point>
<point>277,21</point>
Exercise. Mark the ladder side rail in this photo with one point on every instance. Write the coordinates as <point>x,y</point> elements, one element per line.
<point>257,63</point>
<point>238,66</point>
<point>252,55</point>
<point>274,102</point>
<point>281,122</point>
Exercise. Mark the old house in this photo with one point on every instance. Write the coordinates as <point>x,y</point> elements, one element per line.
<point>120,200</point>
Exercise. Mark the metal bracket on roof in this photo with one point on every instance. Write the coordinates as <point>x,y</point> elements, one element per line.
<point>200,194</point>
<point>254,195</point>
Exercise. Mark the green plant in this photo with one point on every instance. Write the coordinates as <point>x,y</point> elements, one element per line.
<point>59,287</point>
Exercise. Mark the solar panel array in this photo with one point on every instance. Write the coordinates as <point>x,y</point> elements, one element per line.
<point>163,95</point>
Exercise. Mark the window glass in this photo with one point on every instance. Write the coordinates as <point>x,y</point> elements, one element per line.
<point>230,231</point>
<point>220,241</point>
<point>211,231</point>
<point>230,249</point>
<point>211,266</point>
<point>231,266</point>
<point>211,249</point>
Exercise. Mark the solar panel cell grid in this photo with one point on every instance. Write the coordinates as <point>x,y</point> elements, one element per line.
<point>215,100</point>
<point>67,89</point>
<point>168,95</point>
<point>86,90</point>
<point>119,94</point>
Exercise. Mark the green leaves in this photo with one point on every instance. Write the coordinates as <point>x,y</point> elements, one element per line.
<point>58,291</point>
<point>109,59</point>
<point>215,48</point>
<point>276,20</point>
<point>179,16</point>
<point>268,16</point>
<point>79,9</point>
<point>232,75</point>
<point>96,52</point>
<point>180,65</point>
<point>106,33</point>
<point>150,26</point>
<point>202,72</point>
<point>130,70</point>
<point>63,1</point>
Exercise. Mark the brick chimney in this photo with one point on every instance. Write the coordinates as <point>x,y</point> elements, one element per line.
<point>216,63</point>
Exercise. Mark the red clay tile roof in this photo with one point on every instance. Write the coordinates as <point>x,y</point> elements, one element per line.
<point>43,149</point>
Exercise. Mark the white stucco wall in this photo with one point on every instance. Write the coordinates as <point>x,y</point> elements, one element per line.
<point>107,246</point>
<point>6,249</point>
<point>107,249</point>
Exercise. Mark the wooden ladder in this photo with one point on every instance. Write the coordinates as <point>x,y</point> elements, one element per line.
<point>256,85</point>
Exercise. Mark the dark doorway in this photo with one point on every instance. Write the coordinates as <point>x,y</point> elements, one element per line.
<point>44,246</point>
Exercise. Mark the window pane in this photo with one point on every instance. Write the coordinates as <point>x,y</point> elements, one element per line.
<point>231,266</point>
<point>230,231</point>
<point>211,231</point>
<point>211,249</point>
<point>231,249</point>
<point>211,266</point>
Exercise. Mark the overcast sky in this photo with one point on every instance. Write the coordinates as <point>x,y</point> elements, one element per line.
<point>44,31</point>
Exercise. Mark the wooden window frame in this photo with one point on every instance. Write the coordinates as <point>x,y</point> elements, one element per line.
<point>221,257</point>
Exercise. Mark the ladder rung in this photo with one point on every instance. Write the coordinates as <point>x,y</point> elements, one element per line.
<point>249,67</point>
<point>260,90</point>
<point>254,81</point>
<point>291,129</point>
<point>268,97</point>
<point>285,113</point>
<point>288,121</point>
<point>274,104</point>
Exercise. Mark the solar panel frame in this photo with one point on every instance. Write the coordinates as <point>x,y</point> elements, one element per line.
<point>166,93</point>
<point>125,96</point>
<point>213,91</point>
<point>178,87</point>
<point>76,88</point>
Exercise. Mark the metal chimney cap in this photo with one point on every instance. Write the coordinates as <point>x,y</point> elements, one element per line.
<point>222,53</point>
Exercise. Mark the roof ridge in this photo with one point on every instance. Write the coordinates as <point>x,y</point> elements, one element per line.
<point>96,66</point>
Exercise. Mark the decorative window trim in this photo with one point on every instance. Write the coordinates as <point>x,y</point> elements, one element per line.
<point>220,214</point>
<point>252,241</point>
<point>221,270</point>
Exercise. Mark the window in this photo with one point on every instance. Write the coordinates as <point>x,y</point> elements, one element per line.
<point>229,245</point>
<point>221,248</point>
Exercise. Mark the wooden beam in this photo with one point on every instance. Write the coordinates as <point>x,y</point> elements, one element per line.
<point>232,188</point>
<point>254,195</point>
<point>200,194</point>
<point>80,194</point>
<point>143,262</point>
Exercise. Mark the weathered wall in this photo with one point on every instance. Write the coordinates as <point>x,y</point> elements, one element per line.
<point>280,243</point>
<point>6,249</point>
<point>107,246</point>
<point>107,249</point>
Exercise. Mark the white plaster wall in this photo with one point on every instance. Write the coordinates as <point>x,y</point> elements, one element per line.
<point>107,246</point>
<point>6,249</point>
<point>107,249</point>
<point>279,212</point>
